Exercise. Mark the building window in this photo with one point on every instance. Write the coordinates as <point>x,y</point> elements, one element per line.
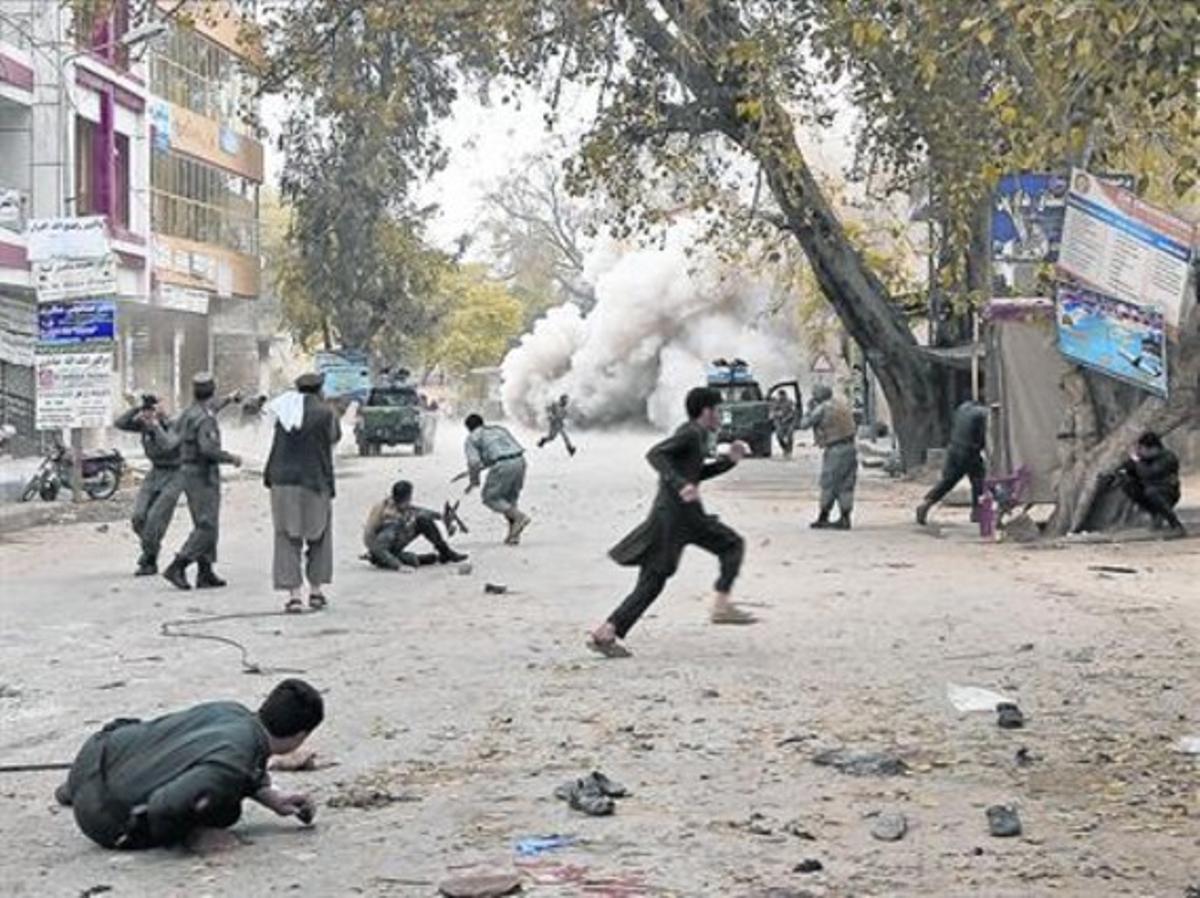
<point>86,199</point>
<point>120,206</point>
<point>198,74</point>
<point>99,27</point>
<point>204,203</point>
<point>90,163</point>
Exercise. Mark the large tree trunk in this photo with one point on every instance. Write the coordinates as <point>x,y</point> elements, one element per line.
<point>719,86</point>
<point>1085,500</point>
<point>860,299</point>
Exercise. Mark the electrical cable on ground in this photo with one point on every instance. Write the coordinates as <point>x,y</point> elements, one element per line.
<point>172,628</point>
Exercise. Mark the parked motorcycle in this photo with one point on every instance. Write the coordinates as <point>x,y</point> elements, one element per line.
<point>102,473</point>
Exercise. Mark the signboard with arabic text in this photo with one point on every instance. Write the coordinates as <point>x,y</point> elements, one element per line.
<point>1122,247</point>
<point>67,238</point>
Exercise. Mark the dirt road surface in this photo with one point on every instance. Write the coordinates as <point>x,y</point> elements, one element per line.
<point>460,712</point>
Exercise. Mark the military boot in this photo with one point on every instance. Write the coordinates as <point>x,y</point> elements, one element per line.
<point>147,565</point>
<point>176,573</point>
<point>822,521</point>
<point>923,513</point>
<point>842,523</point>
<point>206,577</point>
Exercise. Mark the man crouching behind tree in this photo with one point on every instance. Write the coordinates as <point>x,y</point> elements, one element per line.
<point>146,784</point>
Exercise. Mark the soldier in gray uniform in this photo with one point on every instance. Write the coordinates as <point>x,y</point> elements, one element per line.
<point>556,412</point>
<point>492,447</point>
<point>833,428</point>
<point>201,456</point>
<point>783,418</point>
<point>159,493</point>
<point>144,784</point>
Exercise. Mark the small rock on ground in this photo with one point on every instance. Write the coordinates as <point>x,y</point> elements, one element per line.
<point>1003,821</point>
<point>481,885</point>
<point>890,827</point>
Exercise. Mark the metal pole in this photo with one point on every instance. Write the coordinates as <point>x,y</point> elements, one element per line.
<point>64,124</point>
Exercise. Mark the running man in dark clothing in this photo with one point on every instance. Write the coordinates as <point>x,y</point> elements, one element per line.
<point>677,520</point>
<point>964,458</point>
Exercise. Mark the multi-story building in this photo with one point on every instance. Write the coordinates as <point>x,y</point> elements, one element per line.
<point>95,119</point>
<point>206,166</point>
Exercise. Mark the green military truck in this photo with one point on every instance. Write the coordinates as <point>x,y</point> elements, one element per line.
<point>745,410</point>
<point>394,414</point>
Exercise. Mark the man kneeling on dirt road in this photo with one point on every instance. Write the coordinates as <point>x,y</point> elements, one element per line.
<point>146,784</point>
<point>394,523</point>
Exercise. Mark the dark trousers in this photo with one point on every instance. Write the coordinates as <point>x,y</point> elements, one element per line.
<point>202,486</point>
<point>960,463</point>
<point>392,544</point>
<point>716,538</point>
<point>555,432</point>
<point>154,508</point>
<point>1159,503</point>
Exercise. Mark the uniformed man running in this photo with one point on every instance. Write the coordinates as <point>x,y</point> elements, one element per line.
<point>201,456</point>
<point>492,448</point>
<point>556,413</point>
<point>159,493</point>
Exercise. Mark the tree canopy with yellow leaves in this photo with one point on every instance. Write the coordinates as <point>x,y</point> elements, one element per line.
<point>700,100</point>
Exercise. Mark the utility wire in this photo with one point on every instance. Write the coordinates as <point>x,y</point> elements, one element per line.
<point>175,629</point>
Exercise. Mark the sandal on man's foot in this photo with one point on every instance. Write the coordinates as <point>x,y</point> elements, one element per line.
<point>609,648</point>
<point>732,615</point>
<point>294,605</point>
<point>317,602</point>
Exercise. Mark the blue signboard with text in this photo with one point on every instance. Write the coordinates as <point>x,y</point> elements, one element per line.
<point>78,323</point>
<point>347,373</point>
<point>1117,338</point>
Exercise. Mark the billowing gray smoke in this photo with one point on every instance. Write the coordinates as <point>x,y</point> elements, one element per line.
<point>660,318</point>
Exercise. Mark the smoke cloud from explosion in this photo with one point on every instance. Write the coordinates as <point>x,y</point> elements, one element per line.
<point>661,317</point>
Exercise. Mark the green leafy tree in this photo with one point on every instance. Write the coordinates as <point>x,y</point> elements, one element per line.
<point>694,94</point>
<point>480,319</point>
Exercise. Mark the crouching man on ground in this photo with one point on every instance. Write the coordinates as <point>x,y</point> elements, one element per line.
<point>145,784</point>
<point>394,523</point>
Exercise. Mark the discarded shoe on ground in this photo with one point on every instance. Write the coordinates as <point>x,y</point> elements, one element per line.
<point>1009,716</point>
<point>592,795</point>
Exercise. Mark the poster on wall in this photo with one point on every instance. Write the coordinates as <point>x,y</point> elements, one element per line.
<point>74,388</point>
<point>1119,245</point>
<point>73,359</point>
<point>1118,338</point>
<point>160,124</point>
<point>18,330</point>
<point>1028,213</point>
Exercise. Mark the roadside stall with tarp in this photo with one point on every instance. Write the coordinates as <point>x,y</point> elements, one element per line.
<point>1023,384</point>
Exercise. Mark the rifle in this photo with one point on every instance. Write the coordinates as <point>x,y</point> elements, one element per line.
<point>451,519</point>
<point>462,476</point>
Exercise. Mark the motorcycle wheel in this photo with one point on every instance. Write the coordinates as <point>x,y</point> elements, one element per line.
<point>103,485</point>
<point>31,489</point>
<point>48,489</point>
